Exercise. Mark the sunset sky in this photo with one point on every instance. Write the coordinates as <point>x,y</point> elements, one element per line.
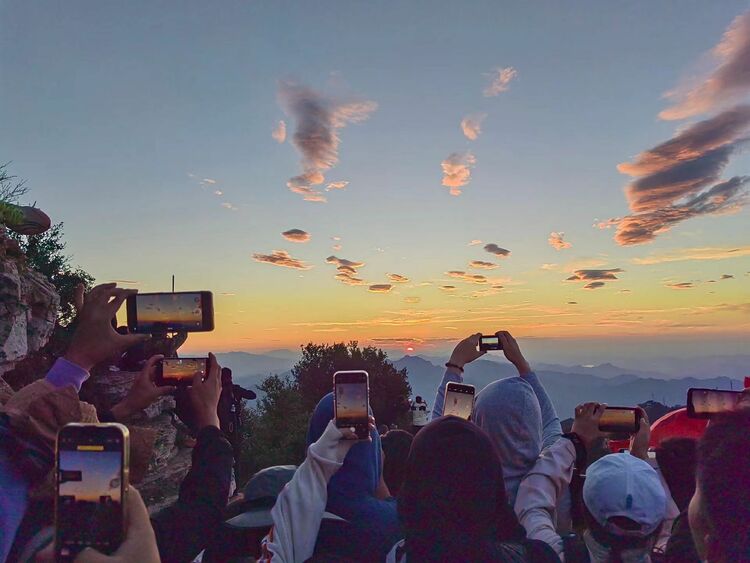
<point>570,171</point>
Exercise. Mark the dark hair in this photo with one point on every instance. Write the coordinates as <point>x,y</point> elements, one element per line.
<point>418,399</point>
<point>676,459</point>
<point>396,445</point>
<point>724,476</point>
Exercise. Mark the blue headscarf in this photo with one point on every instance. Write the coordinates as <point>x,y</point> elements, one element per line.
<point>351,492</point>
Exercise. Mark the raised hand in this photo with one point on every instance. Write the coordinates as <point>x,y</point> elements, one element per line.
<point>586,423</point>
<point>639,440</point>
<point>204,395</point>
<point>95,339</point>
<point>513,352</point>
<point>143,392</point>
<point>466,351</point>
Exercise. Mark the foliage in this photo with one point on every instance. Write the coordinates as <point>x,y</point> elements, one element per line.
<point>11,191</point>
<point>275,427</point>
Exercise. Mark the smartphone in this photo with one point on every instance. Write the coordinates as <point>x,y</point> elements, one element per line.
<point>459,400</point>
<point>489,343</point>
<point>92,465</point>
<point>187,311</point>
<point>179,371</point>
<point>351,401</point>
<point>704,403</point>
<point>620,419</point>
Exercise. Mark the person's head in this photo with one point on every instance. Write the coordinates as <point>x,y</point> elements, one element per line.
<point>625,504</point>
<point>418,399</point>
<point>509,412</point>
<point>676,459</point>
<point>452,504</point>
<point>396,445</point>
<point>383,429</point>
<point>719,511</point>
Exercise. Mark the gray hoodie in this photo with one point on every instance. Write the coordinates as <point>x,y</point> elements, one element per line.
<point>519,417</point>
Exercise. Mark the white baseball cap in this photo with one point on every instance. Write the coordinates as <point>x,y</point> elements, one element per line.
<point>624,485</point>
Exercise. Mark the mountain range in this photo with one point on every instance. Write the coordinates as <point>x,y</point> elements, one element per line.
<point>567,386</point>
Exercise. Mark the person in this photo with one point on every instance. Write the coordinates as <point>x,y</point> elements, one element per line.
<point>357,494</point>
<point>457,509</point>
<point>396,445</point>
<point>624,499</point>
<point>383,430</point>
<point>300,506</point>
<point>419,415</point>
<point>676,458</point>
<point>719,512</point>
<point>182,529</point>
<point>516,412</point>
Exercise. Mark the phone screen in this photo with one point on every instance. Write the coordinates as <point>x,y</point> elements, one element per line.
<point>169,311</point>
<point>183,370</point>
<point>90,484</point>
<point>706,402</point>
<point>351,403</point>
<point>619,419</point>
<point>489,343</point>
<point>459,401</point>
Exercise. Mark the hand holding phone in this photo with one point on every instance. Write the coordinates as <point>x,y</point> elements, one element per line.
<point>620,419</point>
<point>351,402</point>
<point>180,372</point>
<point>490,342</point>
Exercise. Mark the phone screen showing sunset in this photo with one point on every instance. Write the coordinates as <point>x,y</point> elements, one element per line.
<point>351,403</point>
<point>184,369</point>
<point>169,311</point>
<point>458,404</point>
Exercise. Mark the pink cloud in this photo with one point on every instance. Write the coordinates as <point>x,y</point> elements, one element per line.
<point>281,258</point>
<point>471,125</point>
<point>398,278</point>
<point>500,79</point>
<point>463,276</point>
<point>557,242</point>
<point>457,171</point>
<point>279,132</point>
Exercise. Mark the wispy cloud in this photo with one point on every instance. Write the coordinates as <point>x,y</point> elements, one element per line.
<point>464,276</point>
<point>726,277</point>
<point>701,253</point>
<point>594,285</point>
<point>318,120</point>
<point>457,171</point>
<point>281,258</point>
<point>398,278</point>
<point>230,206</point>
<point>499,81</point>
<point>296,235</point>
<point>474,242</point>
<point>279,132</point>
<point>492,248</point>
<point>556,241</point>
<point>729,80</point>
<point>412,299</point>
<point>677,180</point>
<point>471,125</point>
<point>337,185</point>
<point>380,288</point>
<point>218,192</point>
<point>208,181</point>
<point>595,278</point>
<point>336,247</point>
<point>482,265</point>
<point>680,285</point>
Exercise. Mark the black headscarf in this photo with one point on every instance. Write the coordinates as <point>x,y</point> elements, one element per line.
<point>452,504</point>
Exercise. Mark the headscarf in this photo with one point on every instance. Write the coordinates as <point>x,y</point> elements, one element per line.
<point>452,504</point>
<point>396,445</point>
<point>509,412</point>
<point>373,523</point>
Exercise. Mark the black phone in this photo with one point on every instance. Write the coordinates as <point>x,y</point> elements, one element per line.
<point>620,419</point>
<point>352,402</point>
<point>184,311</point>
<point>92,466</point>
<point>459,400</point>
<point>489,343</point>
<point>179,371</point>
<point>705,403</point>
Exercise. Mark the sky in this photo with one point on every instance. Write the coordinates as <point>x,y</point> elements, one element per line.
<point>573,173</point>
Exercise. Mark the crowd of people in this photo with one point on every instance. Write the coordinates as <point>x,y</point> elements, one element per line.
<point>508,485</point>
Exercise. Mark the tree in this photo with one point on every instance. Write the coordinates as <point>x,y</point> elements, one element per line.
<point>11,191</point>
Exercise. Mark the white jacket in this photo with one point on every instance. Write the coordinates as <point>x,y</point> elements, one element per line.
<point>541,488</point>
<point>301,505</point>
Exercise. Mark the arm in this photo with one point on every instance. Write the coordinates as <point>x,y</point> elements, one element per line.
<point>465,351</point>
<point>300,506</point>
<point>540,490</point>
<point>451,374</point>
<point>186,527</point>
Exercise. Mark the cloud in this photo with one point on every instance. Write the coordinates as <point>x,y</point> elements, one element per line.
<point>343,262</point>
<point>728,81</point>
<point>281,258</point>
<point>412,299</point>
<point>680,285</point>
<point>457,170</point>
<point>380,288</point>
<point>492,248</point>
<point>208,181</point>
<point>726,277</point>
<point>471,125</point>
<point>572,302</point>
<point>227,205</point>
<point>593,275</point>
<point>500,79</point>
<point>482,265</point>
<point>318,120</point>
<point>463,276</point>
<point>398,278</point>
<point>474,242</point>
<point>701,253</point>
<point>347,270</point>
<point>677,179</point>
<point>279,132</point>
<point>296,235</point>
<point>493,290</point>
<point>336,247</point>
<point>337,185</point>
<point>594,285</point>
<point>556,241</point>
<point>448,288</point>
